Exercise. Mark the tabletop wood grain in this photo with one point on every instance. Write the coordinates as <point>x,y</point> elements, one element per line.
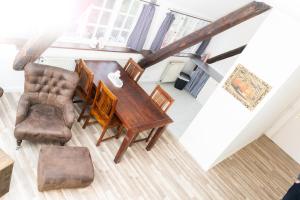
<point>135,108</point>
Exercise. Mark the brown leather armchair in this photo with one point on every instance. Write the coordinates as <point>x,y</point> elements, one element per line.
<point>45,112</point>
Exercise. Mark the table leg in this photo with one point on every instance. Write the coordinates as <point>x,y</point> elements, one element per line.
<point>130,135</point>
<point>155,137</point>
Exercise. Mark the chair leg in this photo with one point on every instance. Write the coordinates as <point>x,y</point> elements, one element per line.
<point>82,112</point>
<point>77,101</point>
<point>74,100</point>
<point>86,122</point>
<point>101,136</point>
<point>133,140</point>
<point>19,142</point>
<point>119,132</point>
<point>150,134</point>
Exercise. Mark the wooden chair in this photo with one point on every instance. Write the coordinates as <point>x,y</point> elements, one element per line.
<point>84,88</point>
<point>103,110</point>
<point>134,70</point>
<point>163,100</point>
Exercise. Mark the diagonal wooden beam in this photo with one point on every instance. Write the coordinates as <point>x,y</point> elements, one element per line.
<point>35,46</point>
<point>222,24</point>
<point>225,55</point>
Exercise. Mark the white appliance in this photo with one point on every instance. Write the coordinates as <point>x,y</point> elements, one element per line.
<point>172,71</point>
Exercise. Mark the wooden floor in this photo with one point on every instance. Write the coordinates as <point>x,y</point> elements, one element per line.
<point>259,171</point>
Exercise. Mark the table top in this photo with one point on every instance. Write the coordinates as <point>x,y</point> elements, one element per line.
<point>135,108</point>
<point>5,160</point>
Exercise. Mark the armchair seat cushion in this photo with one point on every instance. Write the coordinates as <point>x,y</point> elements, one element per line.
<point>43,123</point>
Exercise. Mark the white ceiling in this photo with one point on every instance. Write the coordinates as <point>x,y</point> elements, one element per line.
<point>209,9</point>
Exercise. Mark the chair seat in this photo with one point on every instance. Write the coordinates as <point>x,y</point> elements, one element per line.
<point>115,121</point>
<point>44,123</point>
<point>64,167</point>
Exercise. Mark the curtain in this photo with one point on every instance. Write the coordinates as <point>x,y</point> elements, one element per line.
<point>202,47</point>
<point>139,34</point>
<point>162,31</point>
<point>197,82</point>
<point>198,76</point>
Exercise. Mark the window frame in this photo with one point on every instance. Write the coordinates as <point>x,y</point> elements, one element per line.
<point>180,31</point>
<point>115,11</point>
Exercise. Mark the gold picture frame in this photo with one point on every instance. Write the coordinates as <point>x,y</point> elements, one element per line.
<point>246,87</point>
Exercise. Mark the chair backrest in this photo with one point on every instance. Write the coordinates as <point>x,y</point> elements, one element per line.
<point>161,98</point>
<point>49,85</point>
<point>104,105</point>
<point>134,70</point>
<point>77,66</point>
<point>86,77</point>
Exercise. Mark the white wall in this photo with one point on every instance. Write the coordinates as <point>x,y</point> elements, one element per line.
<point>269,114</point>
<point>285,131</point>
<point>224,124</point>
<point>10,80</point>
<point>236,36</point>
<point>226,41</point>
<point>207,91</point>
<point>290,112</point>
<point>53,55</point>
<point>151,74</point>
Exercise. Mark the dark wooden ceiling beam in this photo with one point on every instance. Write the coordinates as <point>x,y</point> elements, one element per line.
<point>222,24</point>
<point>225,55</point>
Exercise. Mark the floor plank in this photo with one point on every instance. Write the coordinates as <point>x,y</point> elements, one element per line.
<point>260,171</point>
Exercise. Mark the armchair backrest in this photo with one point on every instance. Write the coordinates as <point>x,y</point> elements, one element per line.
<point>50,85</point>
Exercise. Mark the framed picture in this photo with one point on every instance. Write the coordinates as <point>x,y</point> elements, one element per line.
<point>246,87</point>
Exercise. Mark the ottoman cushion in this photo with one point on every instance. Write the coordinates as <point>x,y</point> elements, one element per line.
<point>64,167</point>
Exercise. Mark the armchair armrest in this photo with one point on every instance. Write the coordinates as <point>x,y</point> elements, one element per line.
<point>23,107</point>
<point>68,113</point>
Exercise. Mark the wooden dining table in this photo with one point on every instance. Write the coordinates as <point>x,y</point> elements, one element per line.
<point>135,108</point>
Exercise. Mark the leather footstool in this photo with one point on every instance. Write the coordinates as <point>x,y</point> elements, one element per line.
<point>64,167</point>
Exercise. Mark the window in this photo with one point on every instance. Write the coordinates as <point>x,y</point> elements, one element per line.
<point>182,26</point>
<point>110,21</point>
